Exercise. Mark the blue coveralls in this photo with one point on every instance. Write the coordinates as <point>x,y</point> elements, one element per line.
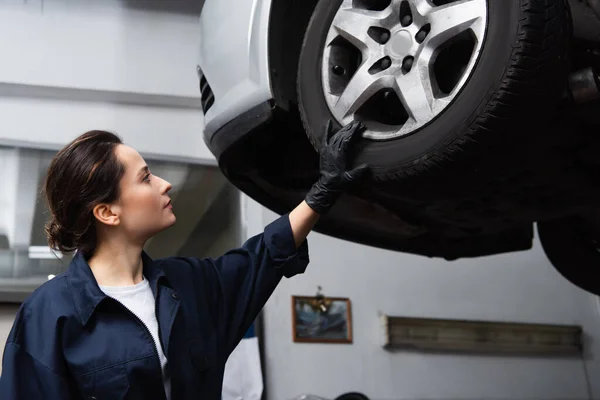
<point>70,341</point>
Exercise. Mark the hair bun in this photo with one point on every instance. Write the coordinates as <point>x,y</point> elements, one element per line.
<point>59,238</point>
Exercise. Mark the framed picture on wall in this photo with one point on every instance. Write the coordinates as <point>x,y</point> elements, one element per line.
<point>318,319</point>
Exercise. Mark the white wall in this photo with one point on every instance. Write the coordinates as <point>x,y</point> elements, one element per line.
<point>123,65</point>
<point>513,287</point>
<point>104,45</point>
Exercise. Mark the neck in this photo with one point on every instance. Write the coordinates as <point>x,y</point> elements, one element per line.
<point>116,263</point>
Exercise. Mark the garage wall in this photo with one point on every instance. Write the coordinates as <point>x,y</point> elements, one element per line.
<point>122,65</point>
<point>519,287</point>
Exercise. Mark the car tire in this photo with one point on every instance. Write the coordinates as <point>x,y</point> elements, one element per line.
<point>519,76</point>
<point>352,396</point>
<point>572,246</point>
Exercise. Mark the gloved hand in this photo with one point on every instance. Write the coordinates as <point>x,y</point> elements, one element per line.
<point>334,158</point>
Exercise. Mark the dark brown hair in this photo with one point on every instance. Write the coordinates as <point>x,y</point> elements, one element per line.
<point>85,173</point>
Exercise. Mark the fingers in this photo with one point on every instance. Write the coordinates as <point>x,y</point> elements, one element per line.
<point>352,135</point>
<point>357,173</point>
<point>350,132</point>
<point>329,133</point>
<point>360,171</point>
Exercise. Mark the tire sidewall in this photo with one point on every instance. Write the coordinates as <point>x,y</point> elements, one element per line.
<point>486,78</point>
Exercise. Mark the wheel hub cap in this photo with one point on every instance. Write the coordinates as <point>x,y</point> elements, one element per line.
<point>400,44</point>
<point>397,65</point>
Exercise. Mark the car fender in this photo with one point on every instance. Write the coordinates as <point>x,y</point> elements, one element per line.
<point>233,57</point>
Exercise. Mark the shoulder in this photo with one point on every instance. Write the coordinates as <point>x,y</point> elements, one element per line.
<point>52,295</point>
<point>191,273</point>
<point>43,308</point>
<point>41,321</point>
<point>193,278</point>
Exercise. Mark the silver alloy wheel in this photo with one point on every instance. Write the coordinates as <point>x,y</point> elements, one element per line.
<point>381,61</point>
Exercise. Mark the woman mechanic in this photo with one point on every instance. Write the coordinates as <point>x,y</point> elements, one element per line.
<point>118,325</point>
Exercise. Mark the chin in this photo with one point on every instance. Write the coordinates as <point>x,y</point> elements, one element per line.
<point>171,222</point>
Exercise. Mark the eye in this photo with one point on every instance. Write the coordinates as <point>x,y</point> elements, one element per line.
<point>146,178</point>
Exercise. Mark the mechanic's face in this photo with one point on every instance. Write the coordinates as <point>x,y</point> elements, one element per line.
<point>144,208</point>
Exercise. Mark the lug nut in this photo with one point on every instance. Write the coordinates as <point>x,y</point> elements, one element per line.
<point>405,14</point>
<point>338,70</point>
<point>380,65</point>
<point>422,34</point>
<point>407,64</point>
<point>380,35</point>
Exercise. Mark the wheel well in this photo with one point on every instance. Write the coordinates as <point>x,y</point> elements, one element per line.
<point>288,22</point>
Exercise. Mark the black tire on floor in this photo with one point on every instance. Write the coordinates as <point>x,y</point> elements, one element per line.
<point>572,246</point>
<point>352,396</point>
<point>517,81</point>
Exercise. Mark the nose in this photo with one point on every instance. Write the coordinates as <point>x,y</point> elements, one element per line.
<point>166,186</point>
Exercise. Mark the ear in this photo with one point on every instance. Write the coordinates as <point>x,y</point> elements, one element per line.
<point>107,214</point>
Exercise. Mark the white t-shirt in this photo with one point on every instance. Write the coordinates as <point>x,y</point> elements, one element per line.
<point>139,299</point>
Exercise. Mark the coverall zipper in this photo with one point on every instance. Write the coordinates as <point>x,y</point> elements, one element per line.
<point>142,323</point>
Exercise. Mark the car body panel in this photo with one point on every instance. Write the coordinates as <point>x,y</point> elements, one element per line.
<point>233,57</point>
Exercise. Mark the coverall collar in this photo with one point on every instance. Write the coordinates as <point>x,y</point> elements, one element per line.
<point>85,290</point>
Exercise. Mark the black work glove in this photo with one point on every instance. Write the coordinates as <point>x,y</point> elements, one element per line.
<point>334,157</point>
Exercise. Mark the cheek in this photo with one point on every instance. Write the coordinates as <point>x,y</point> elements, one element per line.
<point>140,206</point>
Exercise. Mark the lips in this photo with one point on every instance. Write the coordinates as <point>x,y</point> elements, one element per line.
<point>168,204</point>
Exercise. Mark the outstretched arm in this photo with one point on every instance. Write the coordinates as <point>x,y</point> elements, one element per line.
<point>240,282</point>
<point>302,220</point>
<point>335,177</point>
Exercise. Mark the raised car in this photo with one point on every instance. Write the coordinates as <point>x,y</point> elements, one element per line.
<point>482,118</point>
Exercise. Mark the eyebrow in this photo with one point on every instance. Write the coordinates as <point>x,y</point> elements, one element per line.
<point>143,170</point>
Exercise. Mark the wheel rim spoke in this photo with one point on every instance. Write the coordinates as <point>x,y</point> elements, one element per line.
<point>360,89</point>
<point>416,94</point>
<point>452,19</point>
<point>353,24</point>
